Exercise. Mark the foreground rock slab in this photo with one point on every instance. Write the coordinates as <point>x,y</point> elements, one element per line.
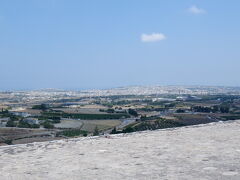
<point>209,151</point>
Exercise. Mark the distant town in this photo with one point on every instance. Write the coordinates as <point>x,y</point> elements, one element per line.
<point>43,115</point>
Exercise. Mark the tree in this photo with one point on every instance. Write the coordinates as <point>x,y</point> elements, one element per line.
<point>128,130</point>
<point>42,107</point>
<point>114,131</point>
<point>96,131</point>
<point>180,111</point>
<point>48,125</point>
<point>85,134</point>
<point>133,112</point>
<point>224,109</point>
<point>8,141</point>
<point>23,124</point>
<point>13,118</point>
<point>110,110</point>
<point>35,126</point>
<point>215,109</point>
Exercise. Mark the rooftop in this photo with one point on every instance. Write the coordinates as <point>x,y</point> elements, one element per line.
<point>210,151</point>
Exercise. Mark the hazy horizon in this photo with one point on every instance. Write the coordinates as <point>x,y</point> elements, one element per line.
<point>105,44</point>
<point>114,87</point>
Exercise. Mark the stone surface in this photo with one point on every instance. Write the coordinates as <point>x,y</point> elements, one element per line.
<point>209,151</point>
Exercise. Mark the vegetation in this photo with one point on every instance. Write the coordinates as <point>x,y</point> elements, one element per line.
<point>6,113</point>
<point>180,111</point>
<point>53,119</point>
<point>96,131</point>
<point>85,116</point>
<point>144,118</point>
<point>114,131</point>
<point>213,109</point>
<point>48,125</point>
<point>8,141</point>
<point>42,107</point>
<point>224,109</point>
<point>23,124</point>
<point>110,110</point>
<point>133,112</point>
<point>73,133</point>
<point>149,109</point>
<point>157,124</point>
<point>11,123</point>
<point>149,125</point>
<point>152,108</point>
<point>231,117</point>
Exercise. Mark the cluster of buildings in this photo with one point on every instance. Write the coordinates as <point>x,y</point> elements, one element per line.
<point>45,95</point>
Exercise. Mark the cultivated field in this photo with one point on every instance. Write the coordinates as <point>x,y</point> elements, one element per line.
<point>69,123</point>
<point>21,133</point>
<point>89,125</point>
<point>193,119</point>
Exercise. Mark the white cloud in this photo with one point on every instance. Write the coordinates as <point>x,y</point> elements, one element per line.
<point>195,10</point>
<point>152,37</point>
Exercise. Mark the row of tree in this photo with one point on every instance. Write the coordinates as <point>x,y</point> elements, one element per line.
<point>213,109</point>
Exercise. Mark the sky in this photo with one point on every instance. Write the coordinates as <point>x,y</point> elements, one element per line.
<point>85,44</point>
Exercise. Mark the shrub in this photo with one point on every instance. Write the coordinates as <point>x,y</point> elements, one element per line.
<point>133,112</point>
<point>96,131</point>
<point>42,107</point>
<point>8,141</point>
<point>48,125</point>
<point>11,123</point>
<point>180,111</point>
<point>73,132</point>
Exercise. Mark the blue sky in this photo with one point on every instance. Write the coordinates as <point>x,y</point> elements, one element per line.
<point>79,44</point>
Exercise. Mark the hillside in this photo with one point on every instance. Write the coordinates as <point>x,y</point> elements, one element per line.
<point>210,151</point>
